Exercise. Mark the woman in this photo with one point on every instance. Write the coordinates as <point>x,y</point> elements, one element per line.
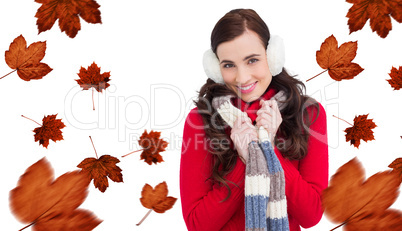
<point>212,172</point>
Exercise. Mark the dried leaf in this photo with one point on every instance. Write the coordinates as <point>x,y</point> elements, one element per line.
<point>157,198</point>
<point>27,60</point>
<point>43,202</point>
<point>378,11</point>
<point>67,11</point>
<point>100,169</point>
<point>355,202</point>
<point>338,61</point>
<point>152,147</point>
<point>50,129</point>
<point>361,130</point>
<point>397,166</point>
<point>92,77</point>
<point>396,78</point>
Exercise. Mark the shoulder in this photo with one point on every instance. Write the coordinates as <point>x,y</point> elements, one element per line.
<point>316,115</point>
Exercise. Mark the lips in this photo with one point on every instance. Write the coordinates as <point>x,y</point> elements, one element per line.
<point>247,89</point>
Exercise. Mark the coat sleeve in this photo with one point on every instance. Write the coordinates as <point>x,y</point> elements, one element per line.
<point>304,185</point>
<point>200,199</point>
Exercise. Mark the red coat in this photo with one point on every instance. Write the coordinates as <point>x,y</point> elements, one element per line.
<point>200,199</point>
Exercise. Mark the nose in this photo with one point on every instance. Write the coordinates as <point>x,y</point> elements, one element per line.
<point>242,75</point>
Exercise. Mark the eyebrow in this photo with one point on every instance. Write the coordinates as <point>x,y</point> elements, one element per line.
<point>247,57</point>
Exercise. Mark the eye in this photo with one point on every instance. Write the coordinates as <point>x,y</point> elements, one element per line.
<point>228,65</point>
<point>252,61</point>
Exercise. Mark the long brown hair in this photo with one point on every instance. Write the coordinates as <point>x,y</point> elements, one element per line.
<point>292,135</point>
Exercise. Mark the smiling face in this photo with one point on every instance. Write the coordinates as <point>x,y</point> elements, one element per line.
<point>244,66</point>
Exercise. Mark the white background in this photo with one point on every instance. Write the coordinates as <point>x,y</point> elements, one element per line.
<point>153,50</point>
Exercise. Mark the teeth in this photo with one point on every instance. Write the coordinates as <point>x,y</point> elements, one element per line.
<point>246,88</point>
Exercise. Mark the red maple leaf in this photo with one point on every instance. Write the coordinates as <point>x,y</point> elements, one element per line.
<point>397,166</point>
<point>51,204</point>
<point>396,78</point>
<point>378,11</point>
<point>152,147</point>
<point>361,130</point>
<point>100,169</point>
<point>49,129</point>
<point>361,204</point>
<point>156,199</point>
<point>92,77</point>
<point>67,11</point>
<point>338,61</point>
<point>26,61</point>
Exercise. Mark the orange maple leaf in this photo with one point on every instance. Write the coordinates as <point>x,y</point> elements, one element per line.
<point>26,61</point>
<point>396,78</point>
<point>359,204</point>
<point>100,169</point>
<point>67,11</point>
<point>397,166</point>
<point>48,204</point>
<point>156,199</point>
<point>49,129</point>
<point>361,130</point>
<point>92,77</point>
<point>152,147</point>
<point>338,61</point>
<point>378,11</point>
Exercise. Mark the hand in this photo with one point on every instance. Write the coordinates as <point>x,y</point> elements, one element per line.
<point>243,132</point>
<point>269,117</point>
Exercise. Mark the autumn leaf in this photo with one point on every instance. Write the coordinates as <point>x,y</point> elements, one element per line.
<point>152,146</point>
<point>101,168</point>
<point>360,130</point>
<point>26,61</point>
<point>338,61</point>
<point>50,129</point>
<point>396,78</point>
<point>67,11</point>
<point>378,11</point>
<point>397,166</point>
<point>92,77</point>
<point>156,199</point>
<point>357,203</point>
<point>48,204</point>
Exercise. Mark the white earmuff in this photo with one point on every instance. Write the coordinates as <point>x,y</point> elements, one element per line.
<point>275,57</point>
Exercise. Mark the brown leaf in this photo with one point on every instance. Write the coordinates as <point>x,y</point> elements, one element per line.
<point>396,78</point>
<point>27,60</point>
<point>92,77</point>
<point>338,61</point>
<point>351,200</point>
<point>361,130</point>
<point>397,166</point>
<point>152,147</point>
<point>67,11</point>
<point>379,13</point>
<point>157,198</point>
<point>50,129</point>
<point>100,169</point>
<point>42,201</point>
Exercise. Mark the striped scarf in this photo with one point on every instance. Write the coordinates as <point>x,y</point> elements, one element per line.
<point>265,200</point>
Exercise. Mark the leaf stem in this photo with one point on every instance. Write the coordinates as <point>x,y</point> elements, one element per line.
<point>31,120</point>
<point>316,75</point>
<point>94,147</point>
<point>93,104</point>
<point>343,120</point>
<point>8,73</point>
<point>339,225</point>
<point>132,152</point>
<point>146,215</point>
<point>27,226</point>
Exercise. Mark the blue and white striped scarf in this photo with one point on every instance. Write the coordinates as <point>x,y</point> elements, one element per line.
<point>265,199</point>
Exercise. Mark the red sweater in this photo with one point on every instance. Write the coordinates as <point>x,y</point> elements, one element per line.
<point>200,199</point>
